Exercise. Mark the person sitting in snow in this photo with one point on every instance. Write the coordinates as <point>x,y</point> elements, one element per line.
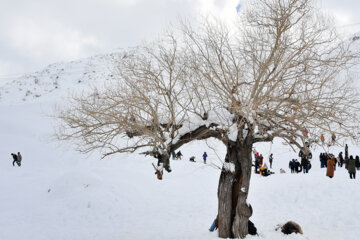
<point>204,157</point>
<point>192,159</point>
<point>178,155</point>
<point>264,171</point>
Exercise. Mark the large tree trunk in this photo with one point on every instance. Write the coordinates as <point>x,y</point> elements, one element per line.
<point>234,212</point>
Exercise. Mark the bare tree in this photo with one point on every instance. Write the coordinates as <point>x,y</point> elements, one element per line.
<point>281,72</point>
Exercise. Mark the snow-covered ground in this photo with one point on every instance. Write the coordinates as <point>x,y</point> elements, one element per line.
<point>59,194</point>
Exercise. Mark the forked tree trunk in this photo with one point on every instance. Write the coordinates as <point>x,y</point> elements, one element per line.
<point>233,212</point>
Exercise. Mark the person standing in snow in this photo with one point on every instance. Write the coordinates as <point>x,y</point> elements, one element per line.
<point>357,162</point>
<point>257,167</point>
<point>204,157</point>
<point>19,159</point>
<point>351,167</point>
<point>271,160</point>
<point>173,155</point>
<point>261,159</point>
<point>305,156</point>
<point>321,160</point>
<point>330,167</point>
<point>346,151</point>
<point>341,159</point>
<point>291,166</point>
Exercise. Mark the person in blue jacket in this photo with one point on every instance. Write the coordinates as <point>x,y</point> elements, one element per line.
<point>204,157</point>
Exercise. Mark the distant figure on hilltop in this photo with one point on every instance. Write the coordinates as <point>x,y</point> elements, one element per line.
<point>16,159</point>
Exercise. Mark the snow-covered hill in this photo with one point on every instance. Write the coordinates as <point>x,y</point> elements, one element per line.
<point>60,194</point>
<point>59,79</point>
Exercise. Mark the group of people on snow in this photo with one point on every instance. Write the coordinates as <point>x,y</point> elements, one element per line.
<point>329,161</point>
<point>178,155</point>
<point>261,167</point>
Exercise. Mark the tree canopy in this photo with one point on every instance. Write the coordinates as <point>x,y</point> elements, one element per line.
<point>280,71</point>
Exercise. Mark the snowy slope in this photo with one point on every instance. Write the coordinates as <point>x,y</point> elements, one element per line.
<point>59,79</point>
<point>59,194</point>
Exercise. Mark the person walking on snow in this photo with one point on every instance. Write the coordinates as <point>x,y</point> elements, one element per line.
<point>204,157</point>
<point>271,160</point>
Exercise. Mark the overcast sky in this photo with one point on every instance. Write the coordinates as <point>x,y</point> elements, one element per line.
<point>35,33</point>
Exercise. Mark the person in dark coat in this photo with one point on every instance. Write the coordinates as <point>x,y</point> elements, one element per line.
<point>321,158</point>
<point>19,159</point>
<point>341,159</point>
<point>351,167</point>
<point>204,157</point>
<point>304,164</point>
<point>271,160</point>
<point>173,155</point>
<point>305,160</point>
<point>178,155</point>
<point>291,166</point>
<point>297,166</point>
<point>357,162</point>
<point>15,159</point>
<point>346,151</point>
<point>192,159</point>
<point>257,165</point>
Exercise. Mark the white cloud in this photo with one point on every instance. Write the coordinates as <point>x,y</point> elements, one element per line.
<point>44,38</point>
<point>36,33</point>
<point>120,2</point>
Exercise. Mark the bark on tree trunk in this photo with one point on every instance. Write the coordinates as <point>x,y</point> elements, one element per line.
<point>233,211</point>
